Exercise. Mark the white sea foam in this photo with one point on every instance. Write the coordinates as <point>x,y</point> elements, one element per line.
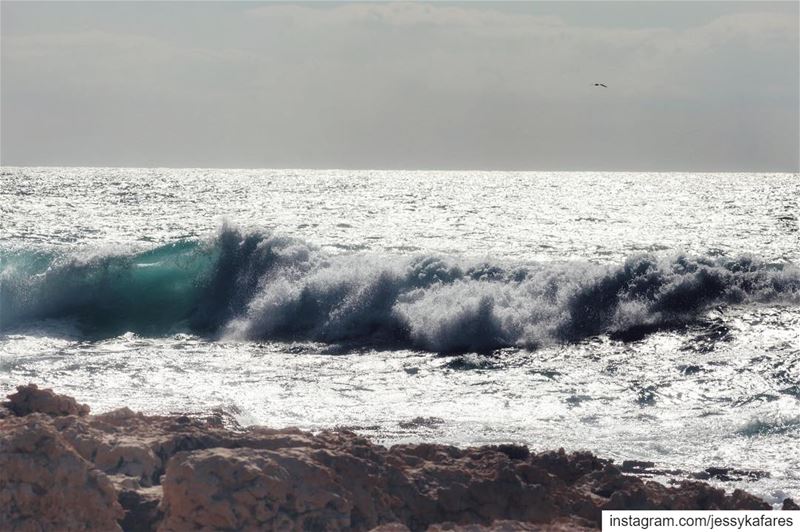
<point>254,285</point>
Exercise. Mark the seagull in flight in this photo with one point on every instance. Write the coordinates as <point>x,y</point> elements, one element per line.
<point>600,85</point>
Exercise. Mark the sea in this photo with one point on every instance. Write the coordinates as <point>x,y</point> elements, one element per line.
<point>649,317</point>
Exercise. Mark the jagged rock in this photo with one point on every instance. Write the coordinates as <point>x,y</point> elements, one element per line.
<point>122,442</point>
<point>253,489</point>
<point>496,526</point>
<point>512,526</point>
<point>635,466</point>
<point>789,504</point>
<point>178,472</point>
<point>729,474</point>
<point>115,451</point>
<point>30,399</point>
<point>46,485</point>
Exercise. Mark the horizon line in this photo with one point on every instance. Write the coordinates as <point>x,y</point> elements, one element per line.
<point>360,169</point>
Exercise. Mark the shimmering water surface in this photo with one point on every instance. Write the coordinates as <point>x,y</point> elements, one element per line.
<point>640,316</point>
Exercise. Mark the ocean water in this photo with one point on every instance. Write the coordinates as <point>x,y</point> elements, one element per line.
<point>640,316</point>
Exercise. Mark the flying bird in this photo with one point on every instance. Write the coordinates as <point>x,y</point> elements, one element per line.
<point>600,85</point>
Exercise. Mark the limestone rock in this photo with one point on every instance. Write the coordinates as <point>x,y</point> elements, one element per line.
<point>63,469</point>
<point>46,485</point>
<point>30,399</point>
<point>513,526</point>
<point>252,489</point>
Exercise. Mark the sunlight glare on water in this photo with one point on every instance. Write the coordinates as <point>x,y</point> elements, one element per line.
<point>720,389</point>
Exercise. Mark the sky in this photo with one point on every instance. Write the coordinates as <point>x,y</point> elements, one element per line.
<point>691,86</point>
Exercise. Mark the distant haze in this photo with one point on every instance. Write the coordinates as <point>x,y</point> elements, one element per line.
<point>691,85</point>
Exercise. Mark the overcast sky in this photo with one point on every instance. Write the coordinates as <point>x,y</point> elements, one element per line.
<point>691,85</point>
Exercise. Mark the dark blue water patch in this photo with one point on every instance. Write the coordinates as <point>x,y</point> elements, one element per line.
<point>763,397</point>
<point>690,369</point>
<point>792,391</point>
<point>473,362</point>
<point>577,399</point>
<point>421,422</point>
<point>645,395</point>
<point>712,333</point>
<point>547,373</point>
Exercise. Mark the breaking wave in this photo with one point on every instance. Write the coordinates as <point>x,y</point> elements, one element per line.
<point>252,285</point>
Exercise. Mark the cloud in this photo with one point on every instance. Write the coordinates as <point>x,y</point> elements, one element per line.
<point>443,45</point>
<point>435,85</point>
<point>401,14</point>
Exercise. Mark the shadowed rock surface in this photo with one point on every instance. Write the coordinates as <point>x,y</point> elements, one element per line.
<point>30,398</point>
<point>74,471</point>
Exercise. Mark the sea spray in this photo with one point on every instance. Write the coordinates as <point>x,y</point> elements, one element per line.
<point>249,285</point>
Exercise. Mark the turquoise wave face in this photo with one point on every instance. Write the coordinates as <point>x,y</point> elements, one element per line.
<point>153,292</point>
<point>253,286</point>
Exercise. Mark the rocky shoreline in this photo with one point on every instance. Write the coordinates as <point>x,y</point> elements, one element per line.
<point>62,468</point>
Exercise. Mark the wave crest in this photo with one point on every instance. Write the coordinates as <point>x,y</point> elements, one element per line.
<point>252,285</point>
